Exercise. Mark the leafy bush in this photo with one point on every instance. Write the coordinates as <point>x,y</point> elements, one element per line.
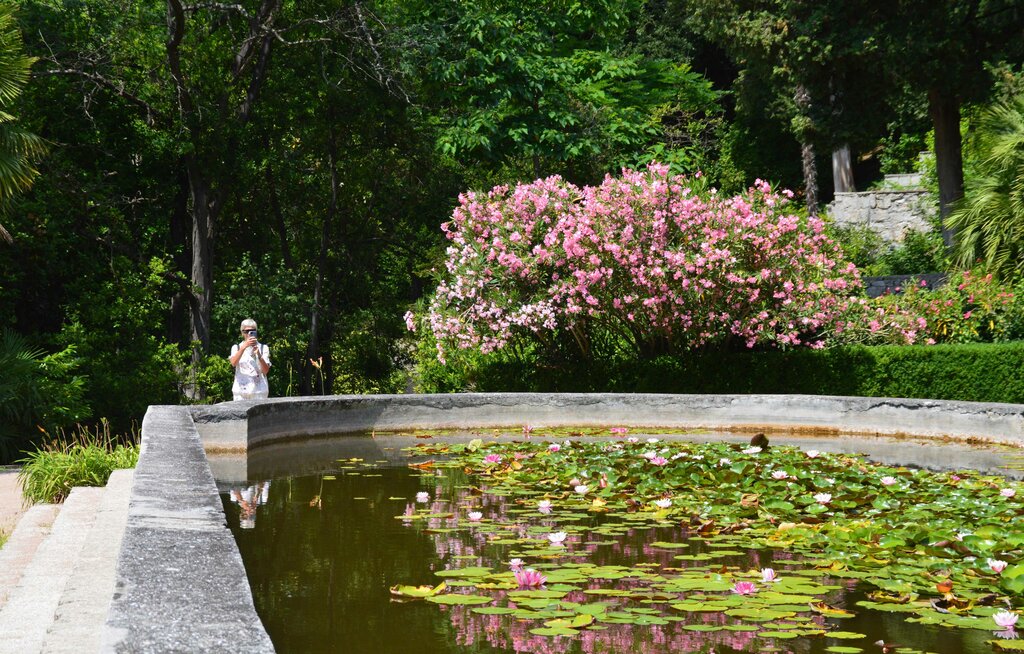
<point>649,261</point>
<point>86,459</point>
<point>971,372</point>
<point>990,218</point>
<point>39,392</point>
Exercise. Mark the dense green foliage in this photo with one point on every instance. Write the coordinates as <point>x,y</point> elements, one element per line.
<point>990,219</point>
<point>292,161</point>
<point>970,372</point>
<point>84,459</point>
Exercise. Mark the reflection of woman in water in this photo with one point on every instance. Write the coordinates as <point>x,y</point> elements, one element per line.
<point>247,500</point>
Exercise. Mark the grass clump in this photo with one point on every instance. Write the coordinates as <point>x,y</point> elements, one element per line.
<point>85,459</point>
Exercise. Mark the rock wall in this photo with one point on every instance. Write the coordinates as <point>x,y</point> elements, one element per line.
<point>889,213</point>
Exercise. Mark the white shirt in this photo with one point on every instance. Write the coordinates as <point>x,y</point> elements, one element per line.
<point>248,378</point>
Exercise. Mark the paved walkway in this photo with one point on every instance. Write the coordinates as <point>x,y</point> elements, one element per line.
<point>11,506</point>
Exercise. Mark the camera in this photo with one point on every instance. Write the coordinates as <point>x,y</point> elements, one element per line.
<point>250,332</point>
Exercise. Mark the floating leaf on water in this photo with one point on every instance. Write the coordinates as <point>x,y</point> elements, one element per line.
<point>464,572</point>
<point>845,635</point>
<point>493,610</point>
<point>553,631</point>
<point>458,599</point>
<point>829,611</point>
<point>843,649</point>
<point>418,591</point>
<point>778,634</point>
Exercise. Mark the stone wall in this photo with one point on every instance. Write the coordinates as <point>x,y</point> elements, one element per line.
<point>893,284</point>
<point>889,213</point>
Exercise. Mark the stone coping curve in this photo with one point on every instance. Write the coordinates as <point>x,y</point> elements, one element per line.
<point>181,585</point>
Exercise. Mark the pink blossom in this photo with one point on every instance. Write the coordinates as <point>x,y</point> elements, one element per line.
<point>474,516</point>
<point>768,575</point>
<point>1008,492</point>
<point>780,474</point>
<point>659,460</point>
<point>744,588</point>
<point>996,565</point>
<point>492,459</point>
<point>554,447</point>
<point>812,454</point>
<point>1005,619</point>
<point>887,481</point>
<point>529,578</point>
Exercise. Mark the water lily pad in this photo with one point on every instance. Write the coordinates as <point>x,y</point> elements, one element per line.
<point>553,631</point>
<point>457,599</point>
<point>493,610</point>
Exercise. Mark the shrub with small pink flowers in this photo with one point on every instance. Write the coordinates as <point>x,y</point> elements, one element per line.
<point>656,260</point>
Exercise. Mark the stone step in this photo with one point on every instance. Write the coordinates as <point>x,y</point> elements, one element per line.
<point>82,611</point>
<point>19,549</point>
<point>30,608</point>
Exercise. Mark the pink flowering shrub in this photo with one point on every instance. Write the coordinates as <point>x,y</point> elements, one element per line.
<point>654,259</point>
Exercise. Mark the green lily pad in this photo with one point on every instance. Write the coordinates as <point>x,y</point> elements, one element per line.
<point>457,599</point>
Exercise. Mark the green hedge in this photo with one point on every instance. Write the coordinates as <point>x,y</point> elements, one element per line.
<point>975,372</point>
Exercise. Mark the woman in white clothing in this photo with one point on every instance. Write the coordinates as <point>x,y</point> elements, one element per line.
<point>251,360</point>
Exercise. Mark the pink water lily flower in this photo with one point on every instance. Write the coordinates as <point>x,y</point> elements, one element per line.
<point>557,537</point>
<point>492,458</point>
<point>632,439</point>
<point>823,498</point>
<point>1005,619</point>
<point>619,431</point>
<point>527,430</point>
<point>516,564</point>
<point>659,461</point>
<point>474,516</point>
<point>554,447</point>
<point>744,588</point>
<point>1008,492</point>
<point>574,481</point>
<point>529,578</point>
<point>887,481</point>
<point>780,474</point>
<point>544,505</point>
<point>996,565</point>
<point>768,575</point>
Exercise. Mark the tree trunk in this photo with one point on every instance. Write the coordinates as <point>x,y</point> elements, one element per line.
<point>204,213</point>
<point>810,178</point>
<point>944,108</point>
<point>804,131</point>
<point>332,208</point>
<point>842,170</point>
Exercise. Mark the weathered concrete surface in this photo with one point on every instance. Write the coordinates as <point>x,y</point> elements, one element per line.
<point>291,418</point>
<point>17,553</point>
<point>30,609</point>
<point>78,620</point>
<point>181,586</point>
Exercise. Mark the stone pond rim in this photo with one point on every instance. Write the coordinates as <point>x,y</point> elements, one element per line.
<point>236,426</point>
<point>180,582</point>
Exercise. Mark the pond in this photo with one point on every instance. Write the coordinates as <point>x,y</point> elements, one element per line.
<point>333,556</point>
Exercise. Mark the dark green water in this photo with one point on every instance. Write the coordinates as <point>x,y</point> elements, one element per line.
<point>322,554</point>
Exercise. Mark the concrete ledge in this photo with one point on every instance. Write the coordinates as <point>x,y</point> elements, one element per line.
<point>236,426</point>
<point>181,586</point>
